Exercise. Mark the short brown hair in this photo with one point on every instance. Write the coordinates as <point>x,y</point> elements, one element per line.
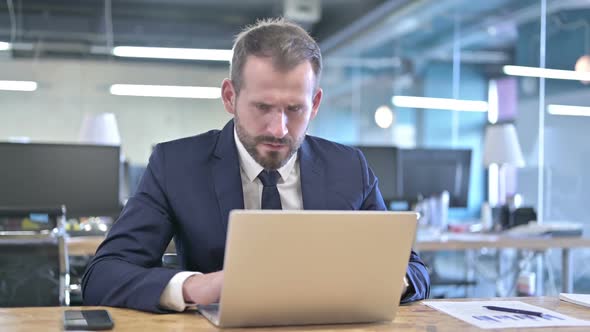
<point>286,43</point>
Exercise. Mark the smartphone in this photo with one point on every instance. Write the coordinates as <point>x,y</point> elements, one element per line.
<point>87,320</point>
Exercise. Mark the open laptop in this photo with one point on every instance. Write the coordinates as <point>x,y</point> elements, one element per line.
<point>312,267</point>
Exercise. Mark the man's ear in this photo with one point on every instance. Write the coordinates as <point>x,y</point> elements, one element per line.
<point>317,99</point>
<point>228,96</point>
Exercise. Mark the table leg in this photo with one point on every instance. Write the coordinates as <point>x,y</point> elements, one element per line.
<point>567,278</point>
<point>540,282</point>
<point>469,271</point>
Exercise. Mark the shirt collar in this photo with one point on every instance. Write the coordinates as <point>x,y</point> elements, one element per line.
<point>253,168</point>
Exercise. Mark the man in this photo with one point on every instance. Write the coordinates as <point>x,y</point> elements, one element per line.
<point>260,159</point>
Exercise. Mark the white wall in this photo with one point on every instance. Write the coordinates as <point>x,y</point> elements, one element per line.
<point>70,88</point>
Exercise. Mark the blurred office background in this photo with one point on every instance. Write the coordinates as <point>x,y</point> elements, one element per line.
<point>381,57</point>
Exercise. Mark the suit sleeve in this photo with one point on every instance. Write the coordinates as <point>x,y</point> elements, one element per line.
<point>417,273</point>
<point>126,270</point>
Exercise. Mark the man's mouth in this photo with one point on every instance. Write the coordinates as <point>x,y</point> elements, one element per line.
<point>274,146</point>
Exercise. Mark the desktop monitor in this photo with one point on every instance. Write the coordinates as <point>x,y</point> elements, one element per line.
<point>428,172</point>
<point>406,174</point>
<point>85,178</point>
<point>382,160</point>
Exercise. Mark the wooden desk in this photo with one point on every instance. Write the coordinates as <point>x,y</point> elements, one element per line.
<point>83,245</point>
<point>87,245</point>
<point>478,241</point>
<point>414,317</point>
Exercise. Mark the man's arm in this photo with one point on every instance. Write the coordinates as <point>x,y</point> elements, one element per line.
<point>418,280</point>
<point>126,271</point>
<point>417,273</point>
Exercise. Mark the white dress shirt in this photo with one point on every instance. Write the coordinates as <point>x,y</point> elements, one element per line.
<point>289,186</point>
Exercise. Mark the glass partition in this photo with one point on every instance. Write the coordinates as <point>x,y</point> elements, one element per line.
<point>481,61</point>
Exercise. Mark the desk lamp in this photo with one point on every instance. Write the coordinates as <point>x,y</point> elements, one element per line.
<point>501,148</point>
<point>100,129</point>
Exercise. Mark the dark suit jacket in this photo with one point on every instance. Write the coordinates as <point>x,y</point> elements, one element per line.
<point>187,192</point>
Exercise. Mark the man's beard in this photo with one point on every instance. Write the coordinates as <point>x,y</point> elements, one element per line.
<point>272,159</point>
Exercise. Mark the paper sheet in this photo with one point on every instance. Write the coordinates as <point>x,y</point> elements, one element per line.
<point>474,313</point>
<point>579,299</point>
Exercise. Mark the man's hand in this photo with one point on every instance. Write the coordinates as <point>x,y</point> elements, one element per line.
<point>203,288</point>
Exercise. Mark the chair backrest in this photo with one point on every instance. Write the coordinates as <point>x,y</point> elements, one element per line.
<point>34,268</point>
<point>171,261</point>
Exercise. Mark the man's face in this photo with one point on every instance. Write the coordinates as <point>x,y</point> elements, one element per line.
<point>273,109</point>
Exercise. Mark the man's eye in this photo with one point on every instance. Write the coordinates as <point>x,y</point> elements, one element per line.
<point>263,107</point>
<point>295,108</point>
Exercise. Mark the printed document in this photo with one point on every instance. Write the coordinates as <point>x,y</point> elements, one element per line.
<point>473,312</point>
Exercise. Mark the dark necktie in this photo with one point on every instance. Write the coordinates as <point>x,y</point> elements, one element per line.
<point>270,194</point>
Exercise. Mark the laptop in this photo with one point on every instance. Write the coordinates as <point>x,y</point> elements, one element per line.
<point>312,267</point>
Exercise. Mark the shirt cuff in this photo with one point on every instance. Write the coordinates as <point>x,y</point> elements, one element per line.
<point>172,298</point>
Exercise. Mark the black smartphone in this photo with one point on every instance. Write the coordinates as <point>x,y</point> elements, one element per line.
<point>87,320</point>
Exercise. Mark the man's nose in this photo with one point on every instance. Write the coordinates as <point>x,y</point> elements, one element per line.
<point>278,124</point>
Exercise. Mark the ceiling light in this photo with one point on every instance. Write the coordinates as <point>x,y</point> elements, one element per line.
<point>492,31</point>
<point>171,91</point>
<point>18,85</point>
<point>5,46</point>
<point>557,74</point>
<point>384,117</point>
<point>568,110</point>
<point>173,53</point>
<point>440,103</point>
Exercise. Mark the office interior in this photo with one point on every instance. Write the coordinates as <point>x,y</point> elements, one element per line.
<point>474,113</point>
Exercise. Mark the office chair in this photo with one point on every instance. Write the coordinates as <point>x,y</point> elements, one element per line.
<point>437,280</point>
<point>34,268</point>
<point>171,261</point>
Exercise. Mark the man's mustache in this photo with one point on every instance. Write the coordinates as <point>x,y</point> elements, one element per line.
<point>273,140</point>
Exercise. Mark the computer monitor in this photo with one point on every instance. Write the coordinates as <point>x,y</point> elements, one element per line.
<point>406,174</point>
<point>83,177</point>
<point>427,172</point>
<point>382,160</point>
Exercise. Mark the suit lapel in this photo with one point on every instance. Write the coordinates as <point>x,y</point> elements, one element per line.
<point>226,174</point>
<point>313,181</point>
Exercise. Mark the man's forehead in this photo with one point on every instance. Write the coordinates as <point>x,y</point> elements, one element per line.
<point>255,61</point>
